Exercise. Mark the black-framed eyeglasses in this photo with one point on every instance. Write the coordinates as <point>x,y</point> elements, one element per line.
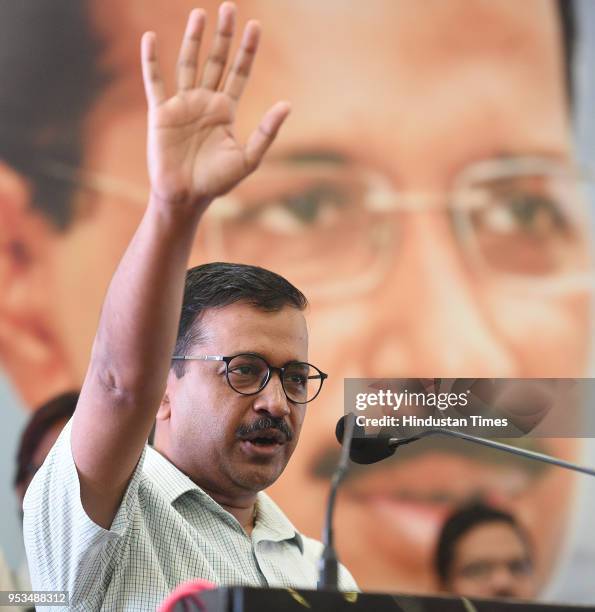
<point>248,374</point>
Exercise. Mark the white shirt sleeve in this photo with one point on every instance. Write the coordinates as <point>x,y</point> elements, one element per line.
<point>66,550</point>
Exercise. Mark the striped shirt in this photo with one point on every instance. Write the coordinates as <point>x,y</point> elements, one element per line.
<point>166,531</point>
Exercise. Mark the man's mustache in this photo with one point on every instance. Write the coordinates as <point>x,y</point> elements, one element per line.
<point>324,465</point>
<point>264,423</point>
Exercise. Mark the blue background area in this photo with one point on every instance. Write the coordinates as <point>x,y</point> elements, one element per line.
<point>13,421</point>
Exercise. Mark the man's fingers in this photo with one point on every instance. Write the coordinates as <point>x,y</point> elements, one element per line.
<point>215,64</point>
<point>188,57</point>
<point>154,85</point>
<point>240,71</point>
<point>264,135</point>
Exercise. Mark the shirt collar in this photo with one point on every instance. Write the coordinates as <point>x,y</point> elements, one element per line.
<point>271,522</point>
<point>170,481</point>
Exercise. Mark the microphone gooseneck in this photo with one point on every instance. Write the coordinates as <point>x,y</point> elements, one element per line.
<point>371,450</point>
<point>328,577</point>
<point>507,448</point>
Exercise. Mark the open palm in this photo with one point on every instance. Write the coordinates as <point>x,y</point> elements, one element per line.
<point>193,154</point>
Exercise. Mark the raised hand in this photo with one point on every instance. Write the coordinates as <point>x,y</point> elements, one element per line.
<point>193,154</point>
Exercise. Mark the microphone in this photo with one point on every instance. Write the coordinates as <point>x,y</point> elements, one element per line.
<point>368,450</point>
<point>371,450</point>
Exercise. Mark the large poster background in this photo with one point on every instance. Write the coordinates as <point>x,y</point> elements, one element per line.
<point>337,80</point>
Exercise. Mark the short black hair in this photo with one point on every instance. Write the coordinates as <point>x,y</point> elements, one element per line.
<point>43,419</point>
<point>463,520</point>
<point>218,284</point>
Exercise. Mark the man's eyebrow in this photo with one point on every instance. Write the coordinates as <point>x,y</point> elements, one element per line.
<point>311,156</point>
<point>560,154</point>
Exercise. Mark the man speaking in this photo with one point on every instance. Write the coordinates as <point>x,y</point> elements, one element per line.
<point>116,523</point>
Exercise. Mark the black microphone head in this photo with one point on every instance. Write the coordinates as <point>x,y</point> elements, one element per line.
<point>364,450</point>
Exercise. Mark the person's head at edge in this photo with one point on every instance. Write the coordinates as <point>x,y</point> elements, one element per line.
<point>234,442</point>
<point>57,230</point>
<point>39,436</point>
<point>484,552</point>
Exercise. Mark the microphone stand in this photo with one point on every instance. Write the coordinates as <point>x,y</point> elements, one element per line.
<point>396,442</point>
<point>328,577</point>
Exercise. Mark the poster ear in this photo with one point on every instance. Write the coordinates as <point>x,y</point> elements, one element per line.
<point>29,354</point>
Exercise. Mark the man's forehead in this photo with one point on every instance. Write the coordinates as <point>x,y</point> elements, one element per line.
<point>418,29</point>
<point>409,61</point>
<point>493,535</point>
<point>244,327</point>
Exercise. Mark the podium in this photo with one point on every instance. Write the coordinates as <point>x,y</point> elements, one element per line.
<point>245,599</point>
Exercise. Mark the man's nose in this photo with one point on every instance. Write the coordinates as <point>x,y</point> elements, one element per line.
<point>502,582</point>
<point>272,398</point>
<point>429,319</point>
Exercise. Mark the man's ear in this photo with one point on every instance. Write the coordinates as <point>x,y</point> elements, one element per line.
<point>164,411</point>
<point>160,429</point>
<point>29,351</point>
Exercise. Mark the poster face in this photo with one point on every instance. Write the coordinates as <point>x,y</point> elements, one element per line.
<point>423,195</point>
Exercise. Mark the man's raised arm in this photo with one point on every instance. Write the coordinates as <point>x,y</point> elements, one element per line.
<point>193,157</point>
